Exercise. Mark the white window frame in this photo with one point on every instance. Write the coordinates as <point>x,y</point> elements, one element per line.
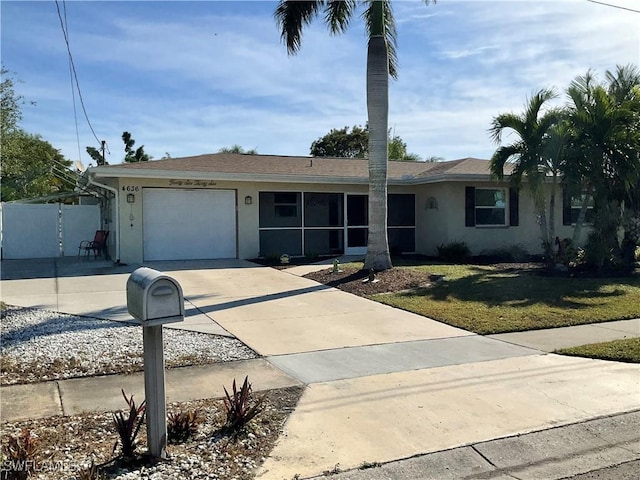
<point>505,207</point>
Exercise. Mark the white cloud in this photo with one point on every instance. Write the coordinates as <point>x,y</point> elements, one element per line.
<point>189,83</point>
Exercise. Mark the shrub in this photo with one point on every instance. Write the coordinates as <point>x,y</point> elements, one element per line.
<point>454,252</point>
<point>19,455</point>
<point>182,426</point>
<point>600,252</point>
<point>128,427</point>
<point>241,408</point>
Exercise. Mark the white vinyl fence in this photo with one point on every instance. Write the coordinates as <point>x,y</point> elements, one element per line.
<point>46,231</point>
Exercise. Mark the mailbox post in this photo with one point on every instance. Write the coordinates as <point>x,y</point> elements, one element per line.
<point>154,299</point>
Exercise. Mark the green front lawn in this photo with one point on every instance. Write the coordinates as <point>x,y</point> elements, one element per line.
<point>627,350</point>
<point>485,300</point>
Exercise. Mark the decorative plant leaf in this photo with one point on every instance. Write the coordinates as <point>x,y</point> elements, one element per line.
<point>240,407</point>
<point>129,427</point>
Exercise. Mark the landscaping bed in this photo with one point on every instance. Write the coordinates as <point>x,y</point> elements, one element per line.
<point>65,447</point>
<point>495,298</point>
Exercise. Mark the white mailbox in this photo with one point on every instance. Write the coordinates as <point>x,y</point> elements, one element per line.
<point>154,298</point>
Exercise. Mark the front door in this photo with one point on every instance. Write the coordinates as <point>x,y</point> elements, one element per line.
<point>357,230</point>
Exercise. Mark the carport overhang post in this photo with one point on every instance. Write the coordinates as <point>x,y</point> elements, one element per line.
<point>116,223</point>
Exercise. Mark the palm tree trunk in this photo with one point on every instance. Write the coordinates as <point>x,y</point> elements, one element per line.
<point>378,256</point>
<point>552,208</point>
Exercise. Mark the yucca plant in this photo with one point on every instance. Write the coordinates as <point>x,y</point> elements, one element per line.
<point>128,427</point>
<point>181,426</point>
<point>241,407</point>
<point>19,455</point>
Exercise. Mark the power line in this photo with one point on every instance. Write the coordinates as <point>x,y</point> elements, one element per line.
<point>73,68</point>
<point>73,90</point>
<point>614,6</point>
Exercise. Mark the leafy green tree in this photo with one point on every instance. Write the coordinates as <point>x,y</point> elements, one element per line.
<point>292,17</point>
<point>354,143</point>
<point>343,143</point>
<point>31,166</point>
<point>532,156</point>
<point>238,149</point>
<point>96,156</point>
<point>398,150</point>
<point>605,126</point>
<point>131,155</point>
<point>10,104</point>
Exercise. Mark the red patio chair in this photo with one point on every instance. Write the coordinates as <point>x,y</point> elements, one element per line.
<point>98,245</point>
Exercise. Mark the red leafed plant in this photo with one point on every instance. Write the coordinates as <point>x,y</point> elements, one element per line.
<point>19,454</point>
<point>241,407</point>
<point>128,427</point>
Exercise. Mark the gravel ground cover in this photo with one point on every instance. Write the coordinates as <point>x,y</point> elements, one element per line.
<point>39,345</point>
<point>65,447</point>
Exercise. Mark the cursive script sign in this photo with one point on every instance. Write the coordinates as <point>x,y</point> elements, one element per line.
<point>192,183</point>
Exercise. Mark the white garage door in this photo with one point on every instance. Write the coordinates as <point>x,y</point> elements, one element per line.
<point>188,224</point>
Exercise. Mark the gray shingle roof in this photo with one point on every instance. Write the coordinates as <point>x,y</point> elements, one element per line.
<point>257,166</point>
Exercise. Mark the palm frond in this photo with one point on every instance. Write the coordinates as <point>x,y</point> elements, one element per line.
<point>622,81</point>
<point>291,17</point>
<point>501,157</point>
<point>536,102</point>
<point>504,121</point>
<point>338,14</point>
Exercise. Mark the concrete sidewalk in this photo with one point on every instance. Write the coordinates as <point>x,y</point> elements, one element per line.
<point>551,339</point>
<point>102,394</point>
<point>381,384</point>
<point>606,447</point>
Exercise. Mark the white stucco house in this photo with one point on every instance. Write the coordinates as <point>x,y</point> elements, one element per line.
<point>245,206</point>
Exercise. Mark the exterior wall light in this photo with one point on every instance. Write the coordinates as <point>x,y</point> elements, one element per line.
<point>131,198</point>
<point>248,200</point>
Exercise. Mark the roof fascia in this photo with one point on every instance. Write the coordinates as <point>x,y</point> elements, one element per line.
<point>218,176</point>
<point>276,178</point>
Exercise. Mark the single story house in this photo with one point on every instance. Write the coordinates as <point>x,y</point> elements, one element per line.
<point>245,206</point>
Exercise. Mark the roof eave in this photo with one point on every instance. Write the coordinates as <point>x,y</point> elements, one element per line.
<point>219,176</point>
<point>283,178</point>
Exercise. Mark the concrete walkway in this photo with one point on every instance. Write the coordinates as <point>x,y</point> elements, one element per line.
<point>100,394</point>
<point>607,449</point>
<point>382,384</point>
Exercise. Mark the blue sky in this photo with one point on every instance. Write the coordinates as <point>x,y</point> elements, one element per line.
<point>188,78</point>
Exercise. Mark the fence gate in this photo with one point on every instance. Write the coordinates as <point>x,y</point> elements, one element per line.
<point>46,231</point>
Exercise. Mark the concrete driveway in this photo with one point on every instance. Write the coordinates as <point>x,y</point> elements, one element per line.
<point>273,312</point>
<point>383,384</point>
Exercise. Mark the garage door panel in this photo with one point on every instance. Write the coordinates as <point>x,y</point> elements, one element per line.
<point>189,224</point>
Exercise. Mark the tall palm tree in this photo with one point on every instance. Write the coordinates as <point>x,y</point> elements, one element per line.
<point>535,155</point>
<point>291,17</point>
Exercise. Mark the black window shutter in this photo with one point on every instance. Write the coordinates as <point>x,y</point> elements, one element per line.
<point>514,213</point>
<point>469,206</point>
<point>566,206</point>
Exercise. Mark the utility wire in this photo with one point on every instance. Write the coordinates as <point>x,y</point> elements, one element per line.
<point>73,90</point>
<point>75,75</point>
<point>614,6</point>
